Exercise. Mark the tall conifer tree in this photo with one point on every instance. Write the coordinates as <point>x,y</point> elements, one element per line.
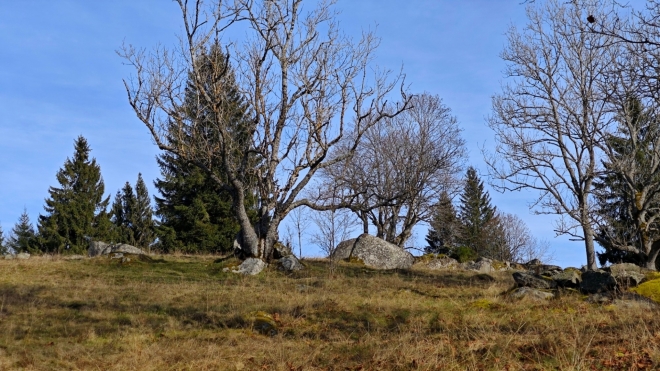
<point>75,209</point>
<point>195,212</point>
<point>132,215</point>
<point>23,237</point>
<point>3,247</point>
<point>479,230</point>
<point>445,228</point>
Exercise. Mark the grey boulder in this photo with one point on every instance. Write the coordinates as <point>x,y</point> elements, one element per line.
<point>481,265</point>
<point>531,293</point>
<point>377,253</point>
<point>441,263</point>
<point>344,249</point>
<point>627,274</point>
<point>290,263</point>
<point>529,280</point>
<point>568,278</point>
<point>251,267</point>
<point>97,248</point>
<point>597,281</point>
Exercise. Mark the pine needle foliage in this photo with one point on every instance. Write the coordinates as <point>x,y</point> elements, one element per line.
<point>195,211</point>
<point>23,238</point>
<point>3,243</point>
<point>132,215</point>
<point>76,210</point>
<point>445,228</point>
<point>478,217</point>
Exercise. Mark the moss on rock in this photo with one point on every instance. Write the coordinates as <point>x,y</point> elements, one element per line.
<point>649,289</point>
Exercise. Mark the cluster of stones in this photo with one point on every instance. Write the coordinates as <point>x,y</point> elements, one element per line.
<point>284,258</point>
<point>601,284</point>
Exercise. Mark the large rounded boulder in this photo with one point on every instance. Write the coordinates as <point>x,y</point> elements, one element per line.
<point>375,253</point>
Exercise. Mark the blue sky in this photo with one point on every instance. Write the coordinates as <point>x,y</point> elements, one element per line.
<point>60,77</point>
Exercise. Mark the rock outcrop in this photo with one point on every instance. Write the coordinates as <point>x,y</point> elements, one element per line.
<point>251,267</point>
<point>344,249</point>
<point>627,274</point>
<point>533,281</point>
<point>597,281</point>
<point>375,253</point>
<point>290,263</point>
<point>98,248</point>
<point>481,265</point>
<point>531,293</point>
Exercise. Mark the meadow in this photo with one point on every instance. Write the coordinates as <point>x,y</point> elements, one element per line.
<point>185,313</point>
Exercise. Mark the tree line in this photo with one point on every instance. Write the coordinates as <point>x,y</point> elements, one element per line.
<point>193,215</point>
<point>293,117</point>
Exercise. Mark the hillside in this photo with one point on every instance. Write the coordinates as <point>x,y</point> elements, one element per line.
<point>185,313</point>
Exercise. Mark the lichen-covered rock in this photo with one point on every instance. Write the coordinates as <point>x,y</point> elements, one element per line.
<point>524,279</point>
<point>98,248</point>
<point>531,293</point>
<point>597,281</point>
<point>481,265</point>
<point>437,263</point>
<point>534,262</point>
<point>377,253</point>
<point>568,278</point>
<point>290,263</point>
<point>543,269</point>
<point>344,249</point>
<point>281,250</point>
<point>627,274</point>
<point>251,267</point>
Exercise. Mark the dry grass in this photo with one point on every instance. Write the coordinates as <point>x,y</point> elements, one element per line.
<point>184,313</point>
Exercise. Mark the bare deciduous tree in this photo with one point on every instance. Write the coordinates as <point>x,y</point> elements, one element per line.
<point>334,226</point>
<point>300,220</point>
<point>521,246</point>
<point>305,84</point>
<point>398,172</point>
<point>548,120</point>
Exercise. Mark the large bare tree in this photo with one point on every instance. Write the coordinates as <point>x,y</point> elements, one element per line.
<point>398,172</point>
<point>549,117</point>
<point>305,84</point>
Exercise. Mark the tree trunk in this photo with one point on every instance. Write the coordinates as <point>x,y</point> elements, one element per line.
<point>589,245</point>
<point>652,257</point>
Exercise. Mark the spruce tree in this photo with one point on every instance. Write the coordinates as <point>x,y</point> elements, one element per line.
<point>23,237</point>
<point>479,224</point>
<point>622,198</point>
<point>3,246</point>
<point>76,209</point>
<point>444,228</point>
<point>195,212</point>
<point>132,215</point>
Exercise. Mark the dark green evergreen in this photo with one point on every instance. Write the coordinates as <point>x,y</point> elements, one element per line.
<point>195,211</point>
<point>76,210</point>
<point>444,231</point>
<point>478,218</point>
<point>132,216</point>
<point>620,207</point>
<point>23,237</point>
<point>3,244</point>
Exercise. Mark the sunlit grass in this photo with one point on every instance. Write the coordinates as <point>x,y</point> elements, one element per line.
<point>186,313</point>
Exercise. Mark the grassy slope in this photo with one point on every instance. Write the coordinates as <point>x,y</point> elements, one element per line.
<point>185,313</point>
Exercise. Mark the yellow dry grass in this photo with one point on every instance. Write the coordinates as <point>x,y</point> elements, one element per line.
<point>185,313</point>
